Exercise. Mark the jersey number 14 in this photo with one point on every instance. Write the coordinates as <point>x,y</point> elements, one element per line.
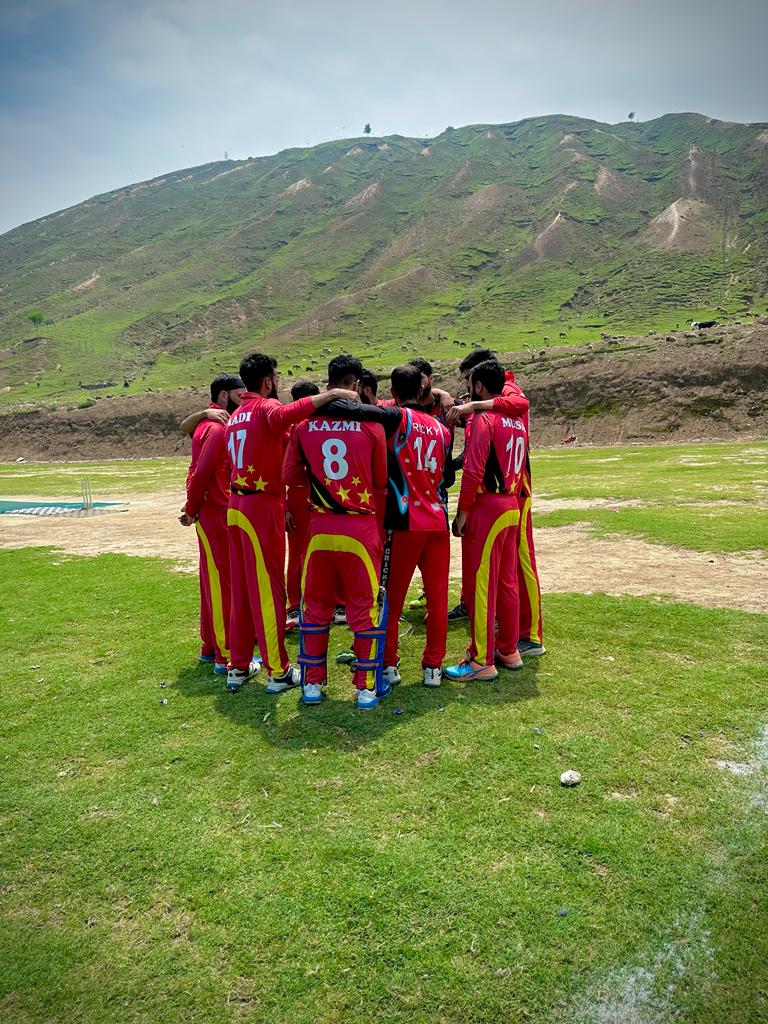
<point>430,462</point>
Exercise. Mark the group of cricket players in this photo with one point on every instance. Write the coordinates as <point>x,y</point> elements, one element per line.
<point>357,488</point>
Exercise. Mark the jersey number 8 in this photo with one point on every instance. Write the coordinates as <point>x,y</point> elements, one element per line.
<point>335,465</point>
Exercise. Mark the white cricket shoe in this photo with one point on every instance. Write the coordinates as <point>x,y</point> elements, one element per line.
<point>237,677</point>
<point>366,699</point>
<point>279,684</point>
<point>392,675</point>
<point>312,693</point>
<point>433,676</point>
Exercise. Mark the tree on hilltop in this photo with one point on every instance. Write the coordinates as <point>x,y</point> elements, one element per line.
<point>367,129</point>
<point>631,115</point>
<point>36,318</point>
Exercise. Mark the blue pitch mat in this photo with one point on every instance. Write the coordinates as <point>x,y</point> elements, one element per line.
<point>58,508</point>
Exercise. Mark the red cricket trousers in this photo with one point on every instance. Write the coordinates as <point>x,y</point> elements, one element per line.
<point>529,587</point>
<point>342,563</point>
<point>257,566</point>
<point>430,550</point>
<point>212,541</point>
<point>297,542</point>
<point>489,576</point>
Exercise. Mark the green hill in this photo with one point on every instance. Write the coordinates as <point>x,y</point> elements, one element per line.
<point>551,228</point>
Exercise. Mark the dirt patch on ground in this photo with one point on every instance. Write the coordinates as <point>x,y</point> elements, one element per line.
<point>570,558</point>
<point>684,386</point>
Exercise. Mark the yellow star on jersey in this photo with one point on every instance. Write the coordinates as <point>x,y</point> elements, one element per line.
<point>343,494</point>
<point>355,481</point>
<point>250,469</point>
<point>326,481</point>
<point>364,496</point>
<point>259,485</point>
<point>240,481</point>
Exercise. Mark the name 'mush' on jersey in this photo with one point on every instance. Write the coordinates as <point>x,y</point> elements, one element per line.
<point>495,457</point>
<point>417,498</point>
<point>344,462</point>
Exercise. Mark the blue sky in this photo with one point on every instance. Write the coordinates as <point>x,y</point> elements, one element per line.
<point>99,94</point>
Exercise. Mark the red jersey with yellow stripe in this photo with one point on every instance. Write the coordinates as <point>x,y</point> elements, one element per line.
<point>256,440</point>
<point>344,462</point>
<point>495,457</point>
<point>208,476</point>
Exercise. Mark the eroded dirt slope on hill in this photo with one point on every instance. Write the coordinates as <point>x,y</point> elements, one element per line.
<point>709,384</point>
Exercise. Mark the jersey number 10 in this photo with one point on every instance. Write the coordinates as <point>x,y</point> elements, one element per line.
<point>519,453</point>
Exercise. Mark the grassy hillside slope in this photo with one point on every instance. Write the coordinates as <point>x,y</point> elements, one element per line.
<point>552,228</point>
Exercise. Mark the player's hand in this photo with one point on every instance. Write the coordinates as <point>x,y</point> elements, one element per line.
<point>217,415</point>
<point>186,520</point>
<point>290,522</point>
<point>457,412</point>
<point>459,524</point>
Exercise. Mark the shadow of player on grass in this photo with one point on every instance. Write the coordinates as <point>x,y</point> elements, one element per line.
<point>285,722</point>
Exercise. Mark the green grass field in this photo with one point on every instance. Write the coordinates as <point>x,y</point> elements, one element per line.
<point>119,476</point>
<point>173,853</point>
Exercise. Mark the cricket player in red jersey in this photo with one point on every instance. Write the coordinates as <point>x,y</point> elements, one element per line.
<point>487,521</point>
<point>417,515</point>
<point>206,507</point>
<point>531,637</point>
<point>256,440</point>
<point>344,464</point>
<point>297,524</point>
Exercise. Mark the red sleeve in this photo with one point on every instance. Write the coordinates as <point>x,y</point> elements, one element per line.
<point>294,468</point>
<point>475,458</point>
<point>379,469</point>
<point>212,454</point>
<point>511,405</point>
<point>280,417</point>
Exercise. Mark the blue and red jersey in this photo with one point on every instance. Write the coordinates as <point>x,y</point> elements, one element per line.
<point>417,454</point>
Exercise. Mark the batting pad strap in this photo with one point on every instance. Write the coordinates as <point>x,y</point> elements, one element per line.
<point>371,634</point>
<point>312,660</point>
<point>364,665</point>
<point>313,629</point>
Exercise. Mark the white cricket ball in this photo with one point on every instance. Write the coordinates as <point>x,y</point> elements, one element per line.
<point>570,778</point>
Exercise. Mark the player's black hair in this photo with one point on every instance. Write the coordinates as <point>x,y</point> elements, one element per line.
<point>422,365</point>
<point>341,367</point>
<point>224,382</point>
<point>303,389</point>
<point>489,373</point>
<point>478,355</point>
<point>255,368</point>
<point>406,382</point>
<point>368,379</point>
